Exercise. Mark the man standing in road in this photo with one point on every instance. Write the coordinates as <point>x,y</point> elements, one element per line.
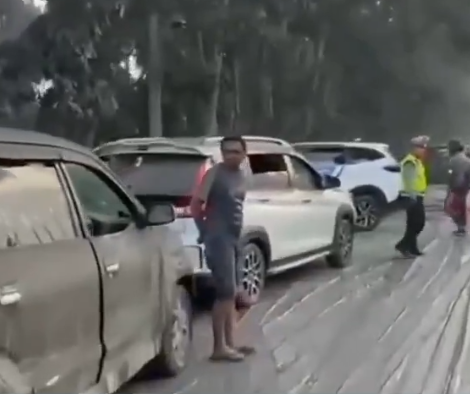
<point>414,186</point>
<point>217,208</point>
<point>458,185</point>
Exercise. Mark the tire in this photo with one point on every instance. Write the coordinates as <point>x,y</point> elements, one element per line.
<point>174,358</point>
<point>253,270</point>
<point>368,212</point>
<point>341,255</point>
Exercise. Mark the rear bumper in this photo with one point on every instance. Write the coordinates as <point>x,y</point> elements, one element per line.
<point>196,257</point>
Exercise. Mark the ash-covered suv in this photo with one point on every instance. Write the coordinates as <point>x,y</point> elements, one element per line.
<point>91,282</point>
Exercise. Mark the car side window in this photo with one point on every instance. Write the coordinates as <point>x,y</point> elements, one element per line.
<point>104,210</point>
<point>365,154</point>
<point>304,177</point>
<point>33,205</point>
<point>269,172</point>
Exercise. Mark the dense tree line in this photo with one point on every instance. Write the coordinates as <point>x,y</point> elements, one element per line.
<point>302,69</point>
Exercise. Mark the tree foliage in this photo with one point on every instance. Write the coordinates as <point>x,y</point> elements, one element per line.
<point>299,69</point>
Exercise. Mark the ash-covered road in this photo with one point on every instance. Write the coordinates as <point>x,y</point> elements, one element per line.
<point>384,325</point>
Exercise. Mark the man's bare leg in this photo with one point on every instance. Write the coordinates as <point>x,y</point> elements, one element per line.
<point>218,319</point>
<point>220,315</point>
<point>230,328</point>
<point>229,325</point>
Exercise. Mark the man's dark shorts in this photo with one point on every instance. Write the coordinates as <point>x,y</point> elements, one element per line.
<point>222,258</point>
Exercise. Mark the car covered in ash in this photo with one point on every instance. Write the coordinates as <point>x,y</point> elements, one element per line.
<point>92,283</point>
<point>292,215</point>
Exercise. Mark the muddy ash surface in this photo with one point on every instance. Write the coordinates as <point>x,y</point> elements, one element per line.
<point>384,325</point>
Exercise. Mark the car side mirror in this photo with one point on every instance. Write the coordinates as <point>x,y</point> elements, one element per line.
<point>341,160</point>
<point>331,182</point>
<point>160,214</point>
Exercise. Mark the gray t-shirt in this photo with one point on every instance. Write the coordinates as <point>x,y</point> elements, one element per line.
<point>459,173</point>
<point>223,191</point>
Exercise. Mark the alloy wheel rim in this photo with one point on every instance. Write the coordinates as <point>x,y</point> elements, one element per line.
<point>345,240</point>
<point>180,334</point>
<point>252,272</point>
<point>366,214</point>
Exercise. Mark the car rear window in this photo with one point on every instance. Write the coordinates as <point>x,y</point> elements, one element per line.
<point>158,175</point>
<point>321,154</point>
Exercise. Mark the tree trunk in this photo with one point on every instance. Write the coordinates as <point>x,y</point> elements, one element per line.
<point>155,79</point>
<point>210,112</point>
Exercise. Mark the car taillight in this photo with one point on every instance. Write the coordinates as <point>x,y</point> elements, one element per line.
<point>183,212</point>
<point>182,208</point>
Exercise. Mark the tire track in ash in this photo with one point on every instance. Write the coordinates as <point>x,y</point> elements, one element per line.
<point>367,324</point>
<point>325,310</point>
<point>325,342</point>
<point>339,360</point>
<point>369,266</point>
<point>307,282</point>
<point>416,362</point>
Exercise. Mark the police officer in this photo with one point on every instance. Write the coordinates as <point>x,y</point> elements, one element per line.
<point>414,186</point>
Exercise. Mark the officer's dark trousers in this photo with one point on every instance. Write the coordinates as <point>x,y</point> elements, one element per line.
<point>415,221</point>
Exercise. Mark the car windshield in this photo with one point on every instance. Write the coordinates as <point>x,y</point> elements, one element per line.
<point>321,154</point>
<point>172,175</point>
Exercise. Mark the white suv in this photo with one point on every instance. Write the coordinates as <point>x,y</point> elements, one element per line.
<point>292,216</point>
<point>367,170</point>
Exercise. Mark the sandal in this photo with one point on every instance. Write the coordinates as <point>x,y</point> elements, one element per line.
<point>229,356</point>
<point>246,350</point>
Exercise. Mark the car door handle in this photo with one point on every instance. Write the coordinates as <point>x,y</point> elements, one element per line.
<point>306,201</point>
<point>9,296</point>
<point>112,269</point>
<point>263,200</point>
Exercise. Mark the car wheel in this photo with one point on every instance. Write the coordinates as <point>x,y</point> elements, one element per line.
<point>368,212</point>
<point>177,336</point>
<point>341,255</point>
<point>253,271</point>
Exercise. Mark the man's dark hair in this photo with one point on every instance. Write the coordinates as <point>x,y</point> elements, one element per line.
<point>233,138</point>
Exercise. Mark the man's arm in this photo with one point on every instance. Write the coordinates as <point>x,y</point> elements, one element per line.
<point>199,199</point>
<point>409,176</point>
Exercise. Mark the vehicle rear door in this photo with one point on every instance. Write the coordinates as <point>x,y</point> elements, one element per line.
<point>130,261</point>
<point>164,176</point>
<point>319,210</point>
<point>49,279</point>
<point>271,203</point>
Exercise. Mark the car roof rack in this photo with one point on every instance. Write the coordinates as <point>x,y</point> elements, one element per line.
<point>143,145</point>
<point>253,138</point>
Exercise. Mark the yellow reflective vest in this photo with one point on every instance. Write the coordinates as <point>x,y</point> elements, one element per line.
<point>419,183</point>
